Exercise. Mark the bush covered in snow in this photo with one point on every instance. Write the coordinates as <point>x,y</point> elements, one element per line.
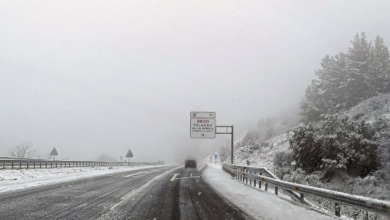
<point>335,145</point>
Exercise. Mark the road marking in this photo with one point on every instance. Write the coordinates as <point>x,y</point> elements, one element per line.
<point>174,176</point>
<point>133,192</point>
<point>123,199</point>
<point>127,195</point>
<point>134,174</point>
<point>188,177</point>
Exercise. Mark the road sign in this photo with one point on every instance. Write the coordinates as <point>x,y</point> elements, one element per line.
<point>202,125</point>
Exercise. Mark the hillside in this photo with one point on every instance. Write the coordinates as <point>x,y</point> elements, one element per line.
<point>275,154</point>
<point>375,111</point>
<point>261,153</point>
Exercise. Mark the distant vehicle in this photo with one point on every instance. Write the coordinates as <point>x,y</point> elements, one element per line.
<point>190,163</point>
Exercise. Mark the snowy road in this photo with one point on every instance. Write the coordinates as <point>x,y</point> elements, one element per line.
<point>151,193</point>
<point>259,204</point>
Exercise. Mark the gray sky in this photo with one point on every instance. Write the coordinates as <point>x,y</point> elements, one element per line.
<point>92,77</point>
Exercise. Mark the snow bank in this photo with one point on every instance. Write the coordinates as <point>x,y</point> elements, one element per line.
<point>25,178</point>
<point>258,204</point>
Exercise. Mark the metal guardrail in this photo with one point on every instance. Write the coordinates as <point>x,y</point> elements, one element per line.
<point>18,163</point>
<point>261,174</point>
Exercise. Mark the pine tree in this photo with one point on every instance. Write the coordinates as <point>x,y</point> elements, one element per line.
<point>379,68</point>
<point>348,78</point>
<point>357,70</point>
<point>312,105</point>
<point>327,95</point>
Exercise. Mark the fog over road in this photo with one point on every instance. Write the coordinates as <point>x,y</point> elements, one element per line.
<point>168,192</point>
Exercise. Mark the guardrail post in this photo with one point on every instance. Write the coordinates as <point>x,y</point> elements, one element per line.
<point>40,165</point>
<point>250,178</point>
<point>3,165</point>
<point>302,197</point>
<point>337,209</point>
<point>266,186</point>
<point>276,190</point>
<point>261,173</point>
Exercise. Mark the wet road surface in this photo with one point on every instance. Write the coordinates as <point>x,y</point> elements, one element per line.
<point>152,193</point>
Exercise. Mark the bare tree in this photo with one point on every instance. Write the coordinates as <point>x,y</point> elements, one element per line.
<point>22,151</point>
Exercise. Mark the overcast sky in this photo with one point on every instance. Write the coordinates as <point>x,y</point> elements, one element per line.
<point>92,77</point>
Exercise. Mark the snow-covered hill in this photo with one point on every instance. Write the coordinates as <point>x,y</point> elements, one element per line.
<point>260,153</point>
<point>374,111</point>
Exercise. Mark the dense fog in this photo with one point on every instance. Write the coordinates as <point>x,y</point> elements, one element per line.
<point>102,77</point>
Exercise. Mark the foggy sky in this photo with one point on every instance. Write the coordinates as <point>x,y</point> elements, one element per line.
<point>91,77</point>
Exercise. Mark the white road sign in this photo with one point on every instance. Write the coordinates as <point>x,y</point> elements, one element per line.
<point>202,125</point>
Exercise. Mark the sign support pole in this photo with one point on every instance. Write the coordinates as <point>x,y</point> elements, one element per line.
<point>231,139</point>
<point>231,147</point>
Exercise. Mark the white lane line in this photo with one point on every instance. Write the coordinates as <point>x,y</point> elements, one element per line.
<point>174,176</point>
<point>133,192</point>
<point>188,177</point>
<point>123,199</point>
<point>134,174</point>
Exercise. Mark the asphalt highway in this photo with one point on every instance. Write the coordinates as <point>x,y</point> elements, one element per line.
<point>169,192</point>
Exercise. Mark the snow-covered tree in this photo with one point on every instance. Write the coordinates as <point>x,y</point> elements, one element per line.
<point>379,68</point>
<point>348,78</point>
<point>357,74</point>
<point>336,144</point>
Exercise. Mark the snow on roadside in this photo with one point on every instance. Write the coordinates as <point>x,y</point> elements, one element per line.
<point>25,178</point>
<point>263,157</point>
<point>258,204</point>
